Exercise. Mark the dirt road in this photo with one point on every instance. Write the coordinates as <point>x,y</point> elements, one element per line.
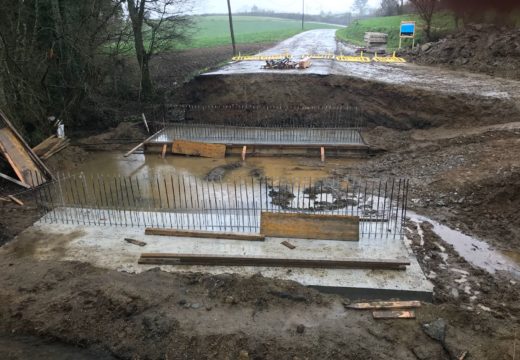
<point>420,77</point>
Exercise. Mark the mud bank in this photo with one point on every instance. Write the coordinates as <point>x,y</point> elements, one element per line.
<point>391,105</point>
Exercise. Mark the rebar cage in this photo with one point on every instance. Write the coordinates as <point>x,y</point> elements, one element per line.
<point>234,205</point>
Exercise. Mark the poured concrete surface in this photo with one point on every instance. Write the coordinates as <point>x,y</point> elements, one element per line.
<point>104,246</point>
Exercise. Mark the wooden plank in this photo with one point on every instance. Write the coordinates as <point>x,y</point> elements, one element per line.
<point>15,200</point>
<point>141,144</point>
<point>310,226</point>
<point>62,146</point>
<point>204,234</point>
<point>135,242</point>
<point>44,169</point>
<point>226,260</point>
<point>11,162</point>
<point>194,148</point>
<point>42,147</point>
<point>17,182</point>
<point>393,314</point>
<point>379,305</point>
<point>288,244</point>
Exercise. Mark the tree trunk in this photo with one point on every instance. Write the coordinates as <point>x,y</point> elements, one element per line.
<point>137,18</point>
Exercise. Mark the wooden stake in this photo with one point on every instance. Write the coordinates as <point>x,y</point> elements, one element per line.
<point>146,123</point>
<point>15,200</point>
<point>164,148</point>
<point>322,154</point>
<point>244,150</point>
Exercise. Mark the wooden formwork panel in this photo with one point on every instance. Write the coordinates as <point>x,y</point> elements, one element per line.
<point>194,148</point>
<point>19,159</point>
<point>310,226</point>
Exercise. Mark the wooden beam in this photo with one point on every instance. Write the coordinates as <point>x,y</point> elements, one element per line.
<point>17,182</point>
<point>379,305</point>
<point>15,200</point>
<point>393,314</point>
<point>310,226</point>
<point>195,148</point>
<point>141,144</point>
<point>227,260</point>
<point>204,234</point>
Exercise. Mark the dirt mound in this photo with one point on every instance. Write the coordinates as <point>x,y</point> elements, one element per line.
<point>382,104</point>
<point>481,48</point>
<point>115,138</point>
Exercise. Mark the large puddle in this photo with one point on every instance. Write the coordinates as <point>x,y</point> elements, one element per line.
<point>151,165</point>
<point>477,252</point>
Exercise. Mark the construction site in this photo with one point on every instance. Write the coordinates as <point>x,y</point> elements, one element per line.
<point>313,200</point>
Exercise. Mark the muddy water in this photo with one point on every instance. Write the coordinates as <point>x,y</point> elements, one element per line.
<point>475,251</point>
<point>113,163</point>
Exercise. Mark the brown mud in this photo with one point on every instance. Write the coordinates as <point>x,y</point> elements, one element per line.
<point>463,170</point>
<point>383,104</point>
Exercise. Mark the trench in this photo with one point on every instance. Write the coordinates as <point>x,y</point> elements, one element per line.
<point>475,251</point>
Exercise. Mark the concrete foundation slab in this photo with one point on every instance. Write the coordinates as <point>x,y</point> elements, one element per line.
<point>104,246</point>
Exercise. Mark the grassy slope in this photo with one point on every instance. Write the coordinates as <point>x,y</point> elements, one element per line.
<point>214,30</point>
<point>390,25</point>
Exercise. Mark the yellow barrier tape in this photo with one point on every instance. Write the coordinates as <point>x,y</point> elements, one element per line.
<point>260,57</point>
<point>342,58</point>
<point>360,58</point>
<point>390,59</point>
<point>320,56</point>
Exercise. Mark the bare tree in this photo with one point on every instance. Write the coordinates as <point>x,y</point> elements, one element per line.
<point>426,9</point>
<point>360,6</point>
<point>157,25</point>
<point>389,7</point>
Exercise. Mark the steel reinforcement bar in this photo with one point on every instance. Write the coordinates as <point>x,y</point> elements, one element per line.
<point>187,202</point>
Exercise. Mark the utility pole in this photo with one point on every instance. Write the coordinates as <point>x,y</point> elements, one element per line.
<point>231,28</point>
<point>303,12</point>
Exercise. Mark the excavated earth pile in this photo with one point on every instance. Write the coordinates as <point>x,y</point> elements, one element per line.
<point>385,104</point>
<point>481,48</point>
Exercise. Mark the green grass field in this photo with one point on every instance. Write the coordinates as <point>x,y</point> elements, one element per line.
<point>441,24</point>
<point>214,30</point>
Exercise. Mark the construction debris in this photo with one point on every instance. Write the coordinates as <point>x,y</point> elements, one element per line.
<point>393,314</point>
<point>135,242</point>
<point>286,63</point>
<point>226,260</point>
<point>288,244</point>
<point>196,148</point>
<point>50,146</point>
<point>27,166</point>
<point>385,305</point>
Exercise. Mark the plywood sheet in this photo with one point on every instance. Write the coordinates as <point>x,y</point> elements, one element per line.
<point>310,226</point>
<point>194,148</point>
